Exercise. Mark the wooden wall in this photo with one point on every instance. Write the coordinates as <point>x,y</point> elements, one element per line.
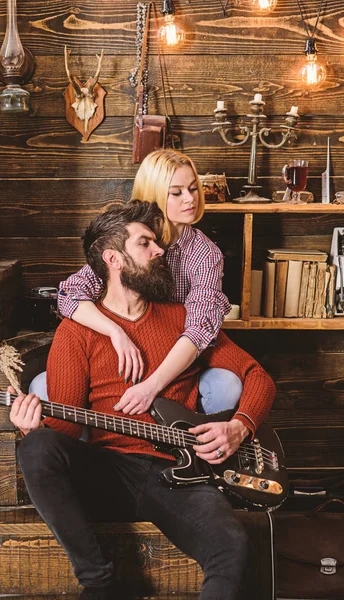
<point>52,184</point>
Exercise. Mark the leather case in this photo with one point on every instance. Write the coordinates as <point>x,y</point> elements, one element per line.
<point>150,133</point>
<point>309,553</point>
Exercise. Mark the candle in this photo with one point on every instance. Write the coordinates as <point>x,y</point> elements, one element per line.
<point>220,105</point>
<point>234,313</point>
<point>257,97</point>
<point>293,111</point>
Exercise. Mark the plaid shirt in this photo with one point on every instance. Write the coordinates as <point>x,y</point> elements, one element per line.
<point>197,267</point>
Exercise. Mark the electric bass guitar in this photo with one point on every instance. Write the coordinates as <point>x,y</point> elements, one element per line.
<point>255,473</point>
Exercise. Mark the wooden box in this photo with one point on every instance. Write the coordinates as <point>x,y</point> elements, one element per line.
<point>10,290</point>
<point>33,349</point>
<point>146,562</point>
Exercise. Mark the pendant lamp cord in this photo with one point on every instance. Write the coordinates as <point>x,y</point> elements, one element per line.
<point>307,29</point>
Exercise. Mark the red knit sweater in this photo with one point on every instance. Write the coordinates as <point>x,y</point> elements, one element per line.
<point>83,371</point>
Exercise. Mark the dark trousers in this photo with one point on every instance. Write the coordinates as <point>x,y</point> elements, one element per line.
<point>72,484</point>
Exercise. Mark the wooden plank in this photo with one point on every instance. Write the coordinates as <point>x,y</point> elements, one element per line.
<point>46,28</point>
<point>8,469</point>
<point>26,212</point>
<point>300,419</point>
<point>31,147</point>
<point>246,266</point>
<point>285,323</point>
<point>192,84</point>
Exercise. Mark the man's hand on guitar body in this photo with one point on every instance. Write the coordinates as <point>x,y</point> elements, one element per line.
<point>219,440</point>
<point>26,412</point>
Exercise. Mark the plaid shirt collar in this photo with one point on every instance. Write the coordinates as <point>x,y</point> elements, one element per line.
<point>186,237</point>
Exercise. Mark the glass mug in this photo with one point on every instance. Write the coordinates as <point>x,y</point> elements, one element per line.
<point>295,175</point>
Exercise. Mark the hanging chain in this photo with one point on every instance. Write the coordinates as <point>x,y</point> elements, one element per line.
<point>140,31</point>
<point>307,29</point>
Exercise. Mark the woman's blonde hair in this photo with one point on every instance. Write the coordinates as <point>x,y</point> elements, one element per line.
<point>153,180</point>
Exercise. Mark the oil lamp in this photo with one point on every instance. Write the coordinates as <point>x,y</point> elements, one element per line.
<point>16,66</point>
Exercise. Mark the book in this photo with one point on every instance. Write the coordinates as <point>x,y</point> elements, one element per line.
<point>280,287</point>
<point>320,291</point>
<point>331,291</point>
<point>296,254</point>
<point>293,287</point>
<point>256,292</point>
<point>269,288</point>
<point>303,288</point>
<point>311,290</point>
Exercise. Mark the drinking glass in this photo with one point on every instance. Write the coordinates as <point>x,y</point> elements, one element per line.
<point>295,175</point>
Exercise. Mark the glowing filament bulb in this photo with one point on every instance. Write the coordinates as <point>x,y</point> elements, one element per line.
<point>312,73</point>
<point>266,5</point>
<point>170,33</point>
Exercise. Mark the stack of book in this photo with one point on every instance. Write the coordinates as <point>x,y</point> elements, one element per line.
<point>298,283</point>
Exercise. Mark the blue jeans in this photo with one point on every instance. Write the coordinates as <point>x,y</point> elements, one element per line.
<point>72,484</point>
<point>219,389</point>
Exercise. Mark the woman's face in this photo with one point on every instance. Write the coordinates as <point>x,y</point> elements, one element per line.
<point>182,199</point>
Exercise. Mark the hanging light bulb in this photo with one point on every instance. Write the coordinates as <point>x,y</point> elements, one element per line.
<point>16,66</point>
<point>170,33</point>
<point>261,6</point>
<point>264,6</point>
<point>312,73</point>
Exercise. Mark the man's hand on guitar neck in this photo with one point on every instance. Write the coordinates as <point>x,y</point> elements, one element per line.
<point>219,440</point>
<point>26,412</point>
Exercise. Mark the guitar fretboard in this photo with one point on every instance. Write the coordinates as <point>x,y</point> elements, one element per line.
<point>157,434</point>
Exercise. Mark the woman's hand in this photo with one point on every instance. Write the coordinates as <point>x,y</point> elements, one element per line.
<point>130,361</point>
<point>219,440</point>
<point>26,412</point>
<point>137,399</point>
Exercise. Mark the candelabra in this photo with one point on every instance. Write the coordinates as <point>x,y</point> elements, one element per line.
<point>223,126</point>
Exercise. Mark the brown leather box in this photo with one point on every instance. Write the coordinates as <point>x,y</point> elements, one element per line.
<point>309,553</point>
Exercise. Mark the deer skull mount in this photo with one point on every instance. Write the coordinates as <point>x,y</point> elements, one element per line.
<point>84,101</point>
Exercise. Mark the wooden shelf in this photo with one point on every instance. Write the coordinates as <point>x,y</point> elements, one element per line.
<point>337,323</point>
<point>275,207</point>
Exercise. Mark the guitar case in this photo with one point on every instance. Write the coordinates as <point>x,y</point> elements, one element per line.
<point>309,552</point>
<point>261,572</point>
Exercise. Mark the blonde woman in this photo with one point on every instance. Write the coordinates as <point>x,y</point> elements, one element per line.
<point>170,179</point>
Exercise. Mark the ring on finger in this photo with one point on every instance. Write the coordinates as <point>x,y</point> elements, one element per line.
<point>219,453</point>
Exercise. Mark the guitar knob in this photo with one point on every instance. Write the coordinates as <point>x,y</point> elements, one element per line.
<point>235,477</point>
<point>264,484</point>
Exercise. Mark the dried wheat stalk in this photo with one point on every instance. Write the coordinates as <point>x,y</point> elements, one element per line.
<point>10,362</point>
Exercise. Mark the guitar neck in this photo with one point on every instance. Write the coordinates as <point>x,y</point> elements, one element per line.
<point>156,434</point>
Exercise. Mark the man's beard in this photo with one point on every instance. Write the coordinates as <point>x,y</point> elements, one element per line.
<point>154,282</point>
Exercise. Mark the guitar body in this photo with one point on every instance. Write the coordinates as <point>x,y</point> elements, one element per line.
<point>262,483</point>
<point>255,473</point>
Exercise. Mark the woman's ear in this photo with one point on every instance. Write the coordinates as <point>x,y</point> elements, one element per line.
<point>112,258</point>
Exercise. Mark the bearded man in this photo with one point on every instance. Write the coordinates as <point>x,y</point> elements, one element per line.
<point>114,476</point>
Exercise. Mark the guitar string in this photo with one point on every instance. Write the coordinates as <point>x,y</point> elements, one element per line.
<point>126,426</point>
<point>244,450</point>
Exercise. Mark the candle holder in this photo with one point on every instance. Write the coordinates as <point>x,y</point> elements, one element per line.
<point>223,126</point>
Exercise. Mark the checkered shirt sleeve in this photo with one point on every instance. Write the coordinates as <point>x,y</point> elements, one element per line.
<point>83,285</point>
<point>197,267</point>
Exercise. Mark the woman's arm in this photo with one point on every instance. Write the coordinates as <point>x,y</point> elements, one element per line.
<point>76,299</point>
<point>138,399</point>
<point>83,285</point>
<point>206,304</point>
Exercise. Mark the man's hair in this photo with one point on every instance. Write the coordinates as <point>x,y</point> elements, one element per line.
<point>110,230</point>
